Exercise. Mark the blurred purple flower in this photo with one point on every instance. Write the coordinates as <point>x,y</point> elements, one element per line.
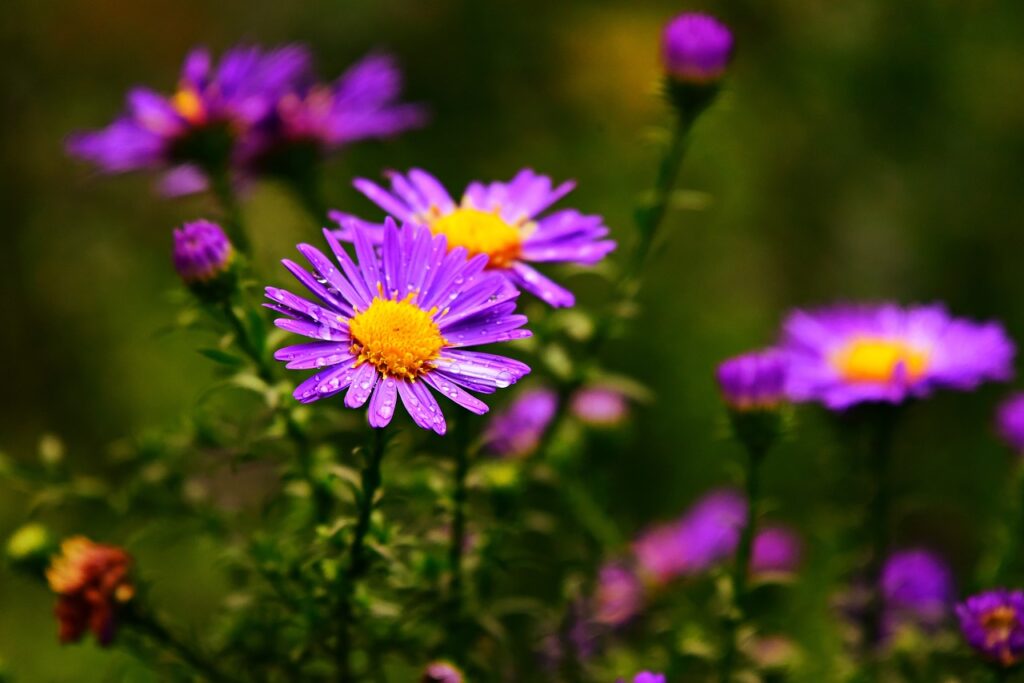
<point>619,595</point>
<point>846,355</point>
<point>993,624</point>
<point>1010,422</point>
<point>441,672</point>
<point>708,534</point>
<point>600,406</point>
<point>777,552</point>
<point>396,327</point>
<point>201,252</point>
<point>360,104</point>
<point>917,589</point>
<point>696,48</point>
<point>499,220</point>
<point>646,677</point>
<point>516,431</point>
<point>245,114</point>
<point>197,127</point>
<point>753,381</point>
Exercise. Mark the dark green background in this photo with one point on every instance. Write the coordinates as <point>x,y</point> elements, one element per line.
<point>861,150</point>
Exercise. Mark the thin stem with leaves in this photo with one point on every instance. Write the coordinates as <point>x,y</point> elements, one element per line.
<point>358,560</point>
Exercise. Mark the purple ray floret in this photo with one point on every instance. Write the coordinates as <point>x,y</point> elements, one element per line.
<point>508,222</point>
<point>845,355</point>
<point>395,323</point>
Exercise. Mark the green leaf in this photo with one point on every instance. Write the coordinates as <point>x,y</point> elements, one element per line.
<point>222,357</point>
<point>257,331</point>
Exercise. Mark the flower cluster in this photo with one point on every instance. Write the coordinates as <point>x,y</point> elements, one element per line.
<point>394,313</point>
<point>91,581</point>
<point>238,113</point>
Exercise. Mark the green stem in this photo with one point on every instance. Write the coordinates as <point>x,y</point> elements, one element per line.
<point>741,569</point>
<point>358,560</point>
<point>458,531</point>
<point>996,569</point>
<point>224,191</point>
<point>884,423</point>
<point>650,216</point>
<point>148,625</point>
<point>298,436</point>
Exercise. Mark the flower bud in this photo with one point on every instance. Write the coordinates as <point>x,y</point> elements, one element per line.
<point>696,48</point>
<point>203,256</point>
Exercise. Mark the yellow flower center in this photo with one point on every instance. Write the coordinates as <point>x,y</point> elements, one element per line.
<point>480,232</point>
<point>999,623</point>
<point>870,359</point>
<point>399,338</point>
<point>189,105</point>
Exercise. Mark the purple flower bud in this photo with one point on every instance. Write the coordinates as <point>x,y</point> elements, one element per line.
<point>619,595</point>
<point>696,48</point>
<point>516,431</point>
<point>993,624</point>
<point>1010,422</point>
<point>918,589</point>
<point>646,677</point>
<point>441,672</point>
<point>777,551</point>
<point>600,406</point>
<point>753,381</point>
<point>202,252</point>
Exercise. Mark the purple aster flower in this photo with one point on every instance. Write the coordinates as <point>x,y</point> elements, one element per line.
<point>619,595</point>
<point>696,48</point>
<point>917,588</point>
<point>201,252</point>
<point>516,431</point>
<point>706,535</point>
<point>397,326</point>
<point>198,126</point>
<point>600,406</point>
<point>993,624</point>
<point>503,221</point>
<point>846,355</point>
<point>753,381</point>
<point>360,104</point>
<point>442,672</point>
<point>646,677</point>
<point>1010,422</point>
<point>777,551</point>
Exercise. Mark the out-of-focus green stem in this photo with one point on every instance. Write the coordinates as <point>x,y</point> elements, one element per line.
<point>265,370</point>
<point>883,426</point>
<point>458,530</point>
<point>651,214</point>
<point>149,626</point>
<point>995,569</point>
<point>358,560</point>
<point>741,569</point>
<point>224,191</point>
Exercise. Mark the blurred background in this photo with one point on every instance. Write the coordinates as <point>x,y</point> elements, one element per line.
<point>860,151</point>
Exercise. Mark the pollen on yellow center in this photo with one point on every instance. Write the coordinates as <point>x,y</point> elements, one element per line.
<point>999,623</point>
<point>399,338</point>
<point>871,359</point>
<point>480,232</point>
<point>188,104</point>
